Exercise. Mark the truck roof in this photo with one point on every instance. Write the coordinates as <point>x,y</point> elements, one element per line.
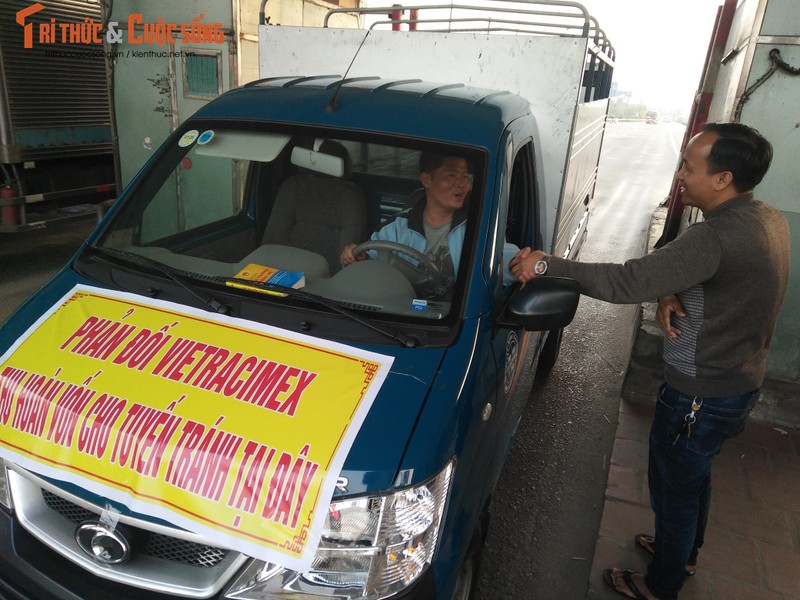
<point>448,112</point>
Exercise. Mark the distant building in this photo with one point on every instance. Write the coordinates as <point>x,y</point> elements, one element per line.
<point>157,83</point>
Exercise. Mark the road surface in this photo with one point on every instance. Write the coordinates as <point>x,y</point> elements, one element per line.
<point>28,260</point>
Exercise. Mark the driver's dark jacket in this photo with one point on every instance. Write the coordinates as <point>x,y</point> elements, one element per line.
<point>407,228</point>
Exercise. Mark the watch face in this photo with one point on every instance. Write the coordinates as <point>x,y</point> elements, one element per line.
<point>540,268</point>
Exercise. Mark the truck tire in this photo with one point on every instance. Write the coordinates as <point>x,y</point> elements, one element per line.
<point>551,350</point>
<point>467,582</point>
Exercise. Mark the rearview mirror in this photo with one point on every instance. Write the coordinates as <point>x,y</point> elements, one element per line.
<point>317,161</point>
<point>542,304</point>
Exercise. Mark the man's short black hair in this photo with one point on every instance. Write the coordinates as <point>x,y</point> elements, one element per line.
<point>430,161</point>
<point>741,150</point>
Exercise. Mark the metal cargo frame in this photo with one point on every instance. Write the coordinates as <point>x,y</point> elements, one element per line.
<point>553,54</point>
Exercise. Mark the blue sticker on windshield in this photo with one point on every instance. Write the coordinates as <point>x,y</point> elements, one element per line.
<point>205,137</point>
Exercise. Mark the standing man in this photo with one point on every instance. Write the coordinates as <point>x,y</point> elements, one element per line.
<point>721,286</point>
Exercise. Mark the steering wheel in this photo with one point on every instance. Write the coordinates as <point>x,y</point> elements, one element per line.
<point>424,273</point>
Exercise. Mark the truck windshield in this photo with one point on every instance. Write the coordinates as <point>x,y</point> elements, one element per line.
<point>341,218</point>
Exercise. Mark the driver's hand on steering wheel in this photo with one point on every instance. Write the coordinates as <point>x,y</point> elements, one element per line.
<point>347,257</point>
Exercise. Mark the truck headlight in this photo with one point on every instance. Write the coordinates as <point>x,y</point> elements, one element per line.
<point>371,547</point>
<point>5,494</point>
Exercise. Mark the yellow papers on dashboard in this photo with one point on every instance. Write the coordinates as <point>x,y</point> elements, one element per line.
<point>262,274</point>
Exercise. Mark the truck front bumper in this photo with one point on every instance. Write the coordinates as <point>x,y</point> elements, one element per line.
<point>29,570</point>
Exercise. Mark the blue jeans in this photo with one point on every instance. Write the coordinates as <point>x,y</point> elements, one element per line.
<point>679,476</point>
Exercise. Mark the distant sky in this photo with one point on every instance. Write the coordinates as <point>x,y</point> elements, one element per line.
<point>660,45</point>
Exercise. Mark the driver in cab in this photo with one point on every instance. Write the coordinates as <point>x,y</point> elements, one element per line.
<point>436,224</point>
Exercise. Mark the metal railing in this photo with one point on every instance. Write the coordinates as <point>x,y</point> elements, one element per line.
<point>550,17</point>
<point>506,17</point>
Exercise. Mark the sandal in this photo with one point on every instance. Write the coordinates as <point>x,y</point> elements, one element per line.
<point>608,577</point>
<point>645,542</point>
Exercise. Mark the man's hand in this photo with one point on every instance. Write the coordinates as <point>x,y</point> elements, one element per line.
<point>666,306</point>
<point>347,257</point>
<point>521,266</point>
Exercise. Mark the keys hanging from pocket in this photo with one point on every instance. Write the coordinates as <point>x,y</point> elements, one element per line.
<point>689,420</point>
<point>681,432</point>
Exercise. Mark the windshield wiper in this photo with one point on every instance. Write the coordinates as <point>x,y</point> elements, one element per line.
<point>175,275</point>
<point>273,289</point>
<point>184,281</point>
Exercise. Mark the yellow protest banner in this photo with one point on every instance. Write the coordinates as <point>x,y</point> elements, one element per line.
<point>225,427</point>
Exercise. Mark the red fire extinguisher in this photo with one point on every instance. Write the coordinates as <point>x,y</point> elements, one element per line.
<point>10,213</point>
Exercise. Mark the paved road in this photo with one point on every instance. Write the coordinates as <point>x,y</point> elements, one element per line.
<point>548,505</point>
<point>28,260</point>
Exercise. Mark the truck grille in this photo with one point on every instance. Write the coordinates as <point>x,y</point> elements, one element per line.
<point>158,545</point>
<point>180,564</point>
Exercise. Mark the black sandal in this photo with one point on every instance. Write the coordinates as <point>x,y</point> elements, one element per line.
<point>646,541</point>
<point>608,577</point>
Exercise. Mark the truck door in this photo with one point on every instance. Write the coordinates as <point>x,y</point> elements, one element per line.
<point>515,349</point>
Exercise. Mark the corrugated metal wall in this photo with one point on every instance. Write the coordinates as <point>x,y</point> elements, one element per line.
<point>56,93</point>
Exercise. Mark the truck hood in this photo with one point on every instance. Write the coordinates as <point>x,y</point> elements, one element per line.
<point>375,457</point>
<point>373,462</point>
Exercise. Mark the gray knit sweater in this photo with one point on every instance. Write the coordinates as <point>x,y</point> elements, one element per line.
<point>730,272</point>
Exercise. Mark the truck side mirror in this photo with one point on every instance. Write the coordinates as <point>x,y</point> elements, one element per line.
<point>542,304</point>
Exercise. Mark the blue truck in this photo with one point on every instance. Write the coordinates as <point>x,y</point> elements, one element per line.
<point>164,370</point>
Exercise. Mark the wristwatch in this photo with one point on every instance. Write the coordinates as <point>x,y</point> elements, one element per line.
<point>540,268</point>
